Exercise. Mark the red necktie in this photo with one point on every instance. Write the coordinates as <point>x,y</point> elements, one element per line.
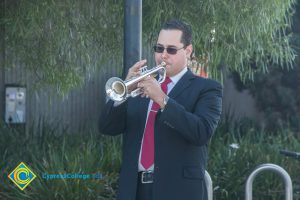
<point>147,156</point>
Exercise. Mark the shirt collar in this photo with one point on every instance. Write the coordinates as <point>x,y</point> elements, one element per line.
<point>177,77</point>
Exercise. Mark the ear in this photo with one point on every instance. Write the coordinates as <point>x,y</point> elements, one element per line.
<point>189,50</point>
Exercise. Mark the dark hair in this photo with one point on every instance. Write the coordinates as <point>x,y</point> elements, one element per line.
<point>186,29</point>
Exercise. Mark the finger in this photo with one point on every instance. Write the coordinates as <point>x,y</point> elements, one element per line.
<point>134,74</point>
<point>142,83</point>
<point>134,71</point>
<point>138,65</point>
<point>147,78</point>
<point>143,95</point>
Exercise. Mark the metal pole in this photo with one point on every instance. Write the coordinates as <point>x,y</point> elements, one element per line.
<point>209,185</point>
<point>2,62</point>
<point>278,170</point>
<point>132,34</point>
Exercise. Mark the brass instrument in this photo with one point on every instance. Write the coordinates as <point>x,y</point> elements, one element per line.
<point>117,89</point>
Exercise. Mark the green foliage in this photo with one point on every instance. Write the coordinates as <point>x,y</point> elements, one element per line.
<point>277,97</point>
<point>88,153</point>
<point>62,42</point>
<point>246,33</point>
<point>277,93</point>
<point>46,152</point>
<point>229,167</point>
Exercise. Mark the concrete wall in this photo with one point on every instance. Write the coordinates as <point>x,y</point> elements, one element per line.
<point>239,104</point>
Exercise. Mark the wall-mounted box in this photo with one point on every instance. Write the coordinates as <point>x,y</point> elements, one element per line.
<point>15,104</point>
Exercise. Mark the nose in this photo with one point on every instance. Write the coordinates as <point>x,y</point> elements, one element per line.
<point>164,54</point>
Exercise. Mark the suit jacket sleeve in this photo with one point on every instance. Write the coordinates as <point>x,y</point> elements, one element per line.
<point>112,119</point>
<point>197,122</point>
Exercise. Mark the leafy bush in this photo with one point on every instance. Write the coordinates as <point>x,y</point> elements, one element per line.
<point>46,152</point>
<point>277,92</point>
<point>88,153</point>
<point>277,96</point>
<point>234,154</point>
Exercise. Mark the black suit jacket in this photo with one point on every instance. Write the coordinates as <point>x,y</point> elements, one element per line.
<point>182,132</point>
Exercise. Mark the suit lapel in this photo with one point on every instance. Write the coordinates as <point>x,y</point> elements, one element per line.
<point>143,109</point>
<point>182,84</point>
<point>143,103</point>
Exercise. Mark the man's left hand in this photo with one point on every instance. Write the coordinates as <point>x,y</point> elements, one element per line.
<point>151,88</point>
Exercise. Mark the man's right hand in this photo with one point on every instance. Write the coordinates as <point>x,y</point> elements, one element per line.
<point>135,69</point>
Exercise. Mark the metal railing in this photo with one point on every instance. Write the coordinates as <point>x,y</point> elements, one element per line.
<point>209,185</point>
<point>270,167</point>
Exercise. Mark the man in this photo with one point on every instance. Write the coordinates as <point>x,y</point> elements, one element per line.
<point>166,133</point>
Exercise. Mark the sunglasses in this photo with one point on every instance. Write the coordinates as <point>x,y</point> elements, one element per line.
<point>170,50</point>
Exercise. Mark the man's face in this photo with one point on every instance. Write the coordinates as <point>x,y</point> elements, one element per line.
<point>175,62</point>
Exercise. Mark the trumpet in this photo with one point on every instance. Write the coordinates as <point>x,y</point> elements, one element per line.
<point>117,89</point>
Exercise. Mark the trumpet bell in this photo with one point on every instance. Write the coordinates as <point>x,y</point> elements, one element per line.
<point>116,89</point>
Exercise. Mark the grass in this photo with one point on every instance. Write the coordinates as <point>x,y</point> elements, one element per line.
<point>85,153</point>
<point>89,153</point>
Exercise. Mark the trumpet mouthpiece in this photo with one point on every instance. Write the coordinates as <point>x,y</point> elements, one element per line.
<point>163,64</point>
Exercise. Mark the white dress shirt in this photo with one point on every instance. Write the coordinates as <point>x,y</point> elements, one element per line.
<point>171,85</point>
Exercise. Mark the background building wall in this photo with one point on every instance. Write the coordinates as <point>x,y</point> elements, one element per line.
<point>238,104</point>
<point>79,109</point>
<point>76,111</point>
